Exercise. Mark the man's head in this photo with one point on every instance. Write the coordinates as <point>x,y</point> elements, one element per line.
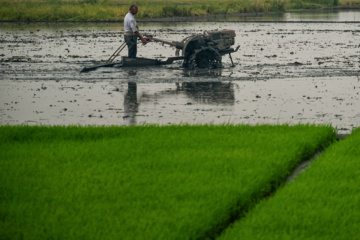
<point>133,9</point>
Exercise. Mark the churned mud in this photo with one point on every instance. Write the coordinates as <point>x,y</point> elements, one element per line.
<point>284,73</point>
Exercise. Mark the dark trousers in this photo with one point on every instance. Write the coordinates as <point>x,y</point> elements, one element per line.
<point>132,46</point>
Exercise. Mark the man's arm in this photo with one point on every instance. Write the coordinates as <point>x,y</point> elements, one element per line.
<point>143,40</point>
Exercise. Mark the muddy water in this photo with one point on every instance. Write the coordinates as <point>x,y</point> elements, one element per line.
<point>294,72</point>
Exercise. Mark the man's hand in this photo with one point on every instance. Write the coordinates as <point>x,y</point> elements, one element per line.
<point>143,40</point>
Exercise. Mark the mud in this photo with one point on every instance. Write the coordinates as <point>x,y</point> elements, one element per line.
<point>284,73</point>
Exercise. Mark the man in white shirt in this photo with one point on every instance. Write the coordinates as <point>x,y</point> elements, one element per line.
<point>131,31</point>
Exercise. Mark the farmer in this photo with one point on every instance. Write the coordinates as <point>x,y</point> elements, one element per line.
<point>131,31</point>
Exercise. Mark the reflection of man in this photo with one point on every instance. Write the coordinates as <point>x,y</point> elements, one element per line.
<point>131,31</point>
<point>130,103</point>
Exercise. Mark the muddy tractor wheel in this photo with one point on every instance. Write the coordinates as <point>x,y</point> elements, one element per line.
<point>205,57</point>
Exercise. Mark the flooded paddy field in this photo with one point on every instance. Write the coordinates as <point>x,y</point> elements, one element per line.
<point>285,72</point>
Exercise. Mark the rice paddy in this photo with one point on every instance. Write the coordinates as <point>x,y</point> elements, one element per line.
<point>143,182</point>
<point>322,203</point>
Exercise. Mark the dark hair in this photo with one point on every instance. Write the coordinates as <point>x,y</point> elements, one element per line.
<point>132,6</point>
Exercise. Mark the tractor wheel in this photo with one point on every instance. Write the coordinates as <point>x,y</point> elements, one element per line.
<point>205,57</point>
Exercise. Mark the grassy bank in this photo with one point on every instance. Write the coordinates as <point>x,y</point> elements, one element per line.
<point>115,10</point>
<point>323,203</point>
<point>145,182</point>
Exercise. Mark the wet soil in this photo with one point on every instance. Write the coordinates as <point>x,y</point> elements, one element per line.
<point>284,73</point>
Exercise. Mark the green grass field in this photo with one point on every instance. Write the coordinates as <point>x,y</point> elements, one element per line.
<point>322,203</point>
<point>115,10</point>
<point>143,182</point>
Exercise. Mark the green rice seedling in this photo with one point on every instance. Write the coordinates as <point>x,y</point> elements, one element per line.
<point>142,182</point>
<point>322,203</point>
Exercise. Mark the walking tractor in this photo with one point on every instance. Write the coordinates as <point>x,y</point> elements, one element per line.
<point>196,51</point>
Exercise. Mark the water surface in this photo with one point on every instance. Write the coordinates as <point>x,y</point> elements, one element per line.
<point>298,72</point>
<point>352,15</point>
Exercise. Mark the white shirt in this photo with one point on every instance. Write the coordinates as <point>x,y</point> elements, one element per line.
<point>130,25</point>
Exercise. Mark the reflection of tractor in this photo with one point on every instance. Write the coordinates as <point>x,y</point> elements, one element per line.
<point>197,51</point>
<point>204,50</point>
<point>209,92</point>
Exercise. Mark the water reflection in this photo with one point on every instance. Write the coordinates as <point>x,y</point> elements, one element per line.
<point>209,92</point>
<point>202,72</point>
<point>203,93</point>
<point>329,15</point>
<point>131,106</point>
<point>310,15</point>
